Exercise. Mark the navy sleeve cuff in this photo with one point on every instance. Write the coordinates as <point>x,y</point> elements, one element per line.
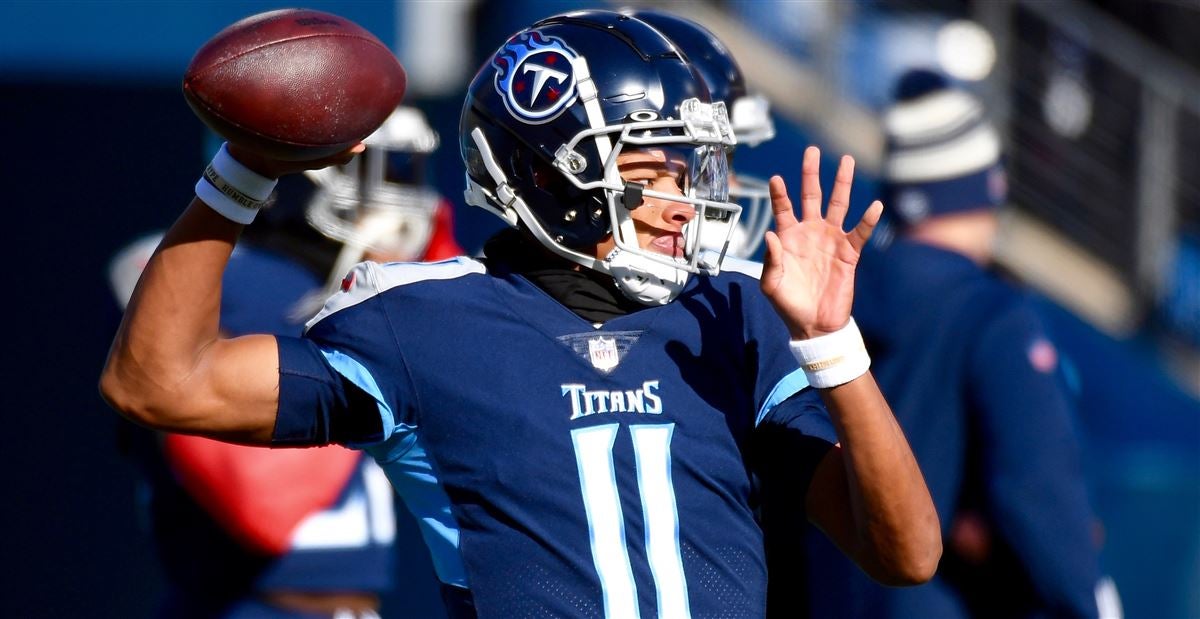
<point>788,447</point>
<point>318,406</point>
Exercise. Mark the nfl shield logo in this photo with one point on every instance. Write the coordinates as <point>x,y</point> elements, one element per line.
<point>603,353</point>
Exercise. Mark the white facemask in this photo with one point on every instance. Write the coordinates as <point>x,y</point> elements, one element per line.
<point>644,281</point>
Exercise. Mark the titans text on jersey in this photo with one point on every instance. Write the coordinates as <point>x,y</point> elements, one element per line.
<point>586,401</point>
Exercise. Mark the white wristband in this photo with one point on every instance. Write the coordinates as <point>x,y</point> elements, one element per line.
<point>232,189</point>
<point>834,358</point>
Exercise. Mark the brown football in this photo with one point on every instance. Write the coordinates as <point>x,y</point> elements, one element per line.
<point>294,84</point>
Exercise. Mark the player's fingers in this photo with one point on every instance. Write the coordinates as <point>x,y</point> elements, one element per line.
<point>341,158</point>
<point>772,263</point>
<point>810,184</point>
<point>781,204</point>
<point>866,226</point>
<point>839,198</point>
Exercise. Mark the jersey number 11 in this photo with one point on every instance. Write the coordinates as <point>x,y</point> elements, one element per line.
<point>606,523</point>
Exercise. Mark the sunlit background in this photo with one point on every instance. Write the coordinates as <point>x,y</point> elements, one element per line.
<point>1099,103</point>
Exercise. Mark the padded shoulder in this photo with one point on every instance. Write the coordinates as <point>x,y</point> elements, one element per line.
<point>370,279</point>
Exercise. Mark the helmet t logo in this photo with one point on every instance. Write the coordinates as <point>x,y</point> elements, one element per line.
<point>541,75</point>
<point>525,67</point>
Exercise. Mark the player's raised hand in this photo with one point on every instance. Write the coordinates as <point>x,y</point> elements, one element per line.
<point>808,273</point>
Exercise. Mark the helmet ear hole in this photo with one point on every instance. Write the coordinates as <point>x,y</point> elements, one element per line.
<point>546,184</point>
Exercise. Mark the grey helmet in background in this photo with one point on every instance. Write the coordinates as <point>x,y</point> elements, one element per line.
<point>378,205</point>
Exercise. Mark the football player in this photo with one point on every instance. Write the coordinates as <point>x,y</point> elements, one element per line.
<point>574,418</point>
<point>251,532</point>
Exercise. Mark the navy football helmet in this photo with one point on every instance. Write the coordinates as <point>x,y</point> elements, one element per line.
<point>547,116</point>
<point>750,117</point>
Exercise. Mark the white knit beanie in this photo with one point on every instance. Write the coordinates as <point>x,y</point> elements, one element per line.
<point>943,156</point>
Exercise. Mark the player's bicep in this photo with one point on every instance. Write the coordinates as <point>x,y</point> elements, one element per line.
<point>235,390</point>
<point>285,392</point>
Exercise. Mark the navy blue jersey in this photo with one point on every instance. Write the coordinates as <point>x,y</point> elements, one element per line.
<point>561,468</point>
<point>975,384</point>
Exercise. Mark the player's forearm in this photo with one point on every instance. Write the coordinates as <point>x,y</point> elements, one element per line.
<point>895,523</point>
<point>172,318</point>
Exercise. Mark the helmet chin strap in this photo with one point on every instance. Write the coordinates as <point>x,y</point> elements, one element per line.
<point>645,281</point>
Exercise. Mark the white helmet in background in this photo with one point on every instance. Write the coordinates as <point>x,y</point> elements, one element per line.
<point>380,202</point>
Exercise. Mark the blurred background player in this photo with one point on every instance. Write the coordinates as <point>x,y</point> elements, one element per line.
<point>749,115</point>
<point>251,532</point>
<point>975,383</point>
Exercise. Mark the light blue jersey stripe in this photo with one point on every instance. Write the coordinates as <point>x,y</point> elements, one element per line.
<point>790,385</point>
<point>410,469</point>
<point>361,377</point>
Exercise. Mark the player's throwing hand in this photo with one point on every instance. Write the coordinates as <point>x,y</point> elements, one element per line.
<point>809,269</point>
